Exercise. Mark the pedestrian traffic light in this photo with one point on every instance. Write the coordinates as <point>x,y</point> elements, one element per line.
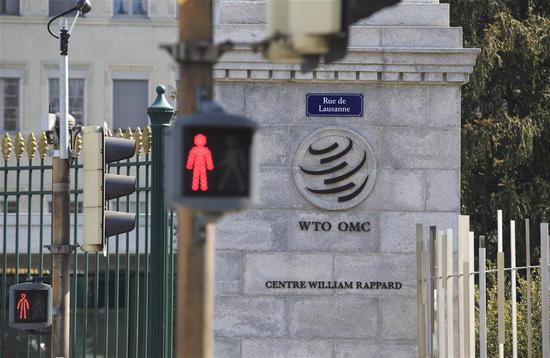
<point>100,186</point>
<point>210,162</point>
<point>306,31</point>
<point>30,306</point>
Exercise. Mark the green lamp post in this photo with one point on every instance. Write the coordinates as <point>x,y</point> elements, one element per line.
<point>159,332</point>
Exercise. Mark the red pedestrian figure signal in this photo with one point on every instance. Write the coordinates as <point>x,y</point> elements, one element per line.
<point>23,306</point>
<point>199,161</point>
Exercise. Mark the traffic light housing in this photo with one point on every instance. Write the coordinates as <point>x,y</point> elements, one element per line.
<point>306,31</point>
<point>30,306</point>
<point>211,162</point>
<point>100,186</point>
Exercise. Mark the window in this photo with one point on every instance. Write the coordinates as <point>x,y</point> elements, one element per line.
<point>130,102</point>
<point>9,7</point>
<point>59,6</point>
<point>10,206</point>
<point>9,104</point>
<point>130,8</point>
<point>76,97</point>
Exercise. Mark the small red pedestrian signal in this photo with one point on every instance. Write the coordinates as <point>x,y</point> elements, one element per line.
<point>211,162</point>
<point>30,306</point>
<point>200,161</point>
<point>23,306</point>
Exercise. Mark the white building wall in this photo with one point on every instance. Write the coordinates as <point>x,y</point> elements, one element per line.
<point>102,48</point>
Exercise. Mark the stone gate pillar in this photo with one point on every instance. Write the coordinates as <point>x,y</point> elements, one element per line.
<point>304,274</point>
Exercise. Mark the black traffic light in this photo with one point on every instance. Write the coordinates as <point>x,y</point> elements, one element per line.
<point>30,306</point>
<point>352,11</point>
<point>308,31</point>
<point>211,162</point>
<point>100,186</point>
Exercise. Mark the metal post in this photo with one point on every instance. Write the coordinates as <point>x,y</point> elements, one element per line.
<point>450,296</point>
<point>64,91</point>
<point>195,261</point>
<point>159,330</point>
<point>544,304</point>
<point>482,300</point>
<point>61,245</point>
<point>441,282</point>
<point>463,233</point>
<point>513,273</point>
<point>529,311</point>
<point>420,304</point>
<point>430,278</point>
<point>500,287</point>
<point>61,258</point>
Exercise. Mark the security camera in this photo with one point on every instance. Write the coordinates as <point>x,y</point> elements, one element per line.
<point>84,6</point>
<point>48,122</point>
<point>50,126</point>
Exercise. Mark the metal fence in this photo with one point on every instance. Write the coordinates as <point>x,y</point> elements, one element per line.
<point>110,290</point>
<point>459,318</point>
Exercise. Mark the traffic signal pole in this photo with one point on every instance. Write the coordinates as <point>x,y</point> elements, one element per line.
<point>195,258</point>
<point>61,258</point>
<point>61,238</point>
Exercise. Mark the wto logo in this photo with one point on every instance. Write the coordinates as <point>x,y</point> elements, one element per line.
<point>335,168</point>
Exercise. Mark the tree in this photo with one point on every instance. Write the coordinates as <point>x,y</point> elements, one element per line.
<point>506,111</point>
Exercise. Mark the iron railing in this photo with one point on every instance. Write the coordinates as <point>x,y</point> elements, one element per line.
<point>109,291</point>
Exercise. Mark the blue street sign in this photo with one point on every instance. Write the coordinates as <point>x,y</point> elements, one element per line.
<point>334,105</point>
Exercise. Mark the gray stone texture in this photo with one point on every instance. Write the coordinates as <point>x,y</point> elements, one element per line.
<point>250,230</point>
<point>249,317</point>
<point>286,348</point>
<point>409,65</point>
<point>398,318</point>
<point>442,191</point>
<point>228,272</point>
<point>421,148</point>
<point>384,268</point>
<point>398,229</point>
<point>333,240</point>
<point>384,349</point>
<point>333,317</point>
<point>260,268</point>
<point>406,14</point>
<point>227,348</point>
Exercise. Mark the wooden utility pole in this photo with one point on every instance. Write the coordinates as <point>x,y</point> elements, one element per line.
<point>61,257</point>
<point>195,260</point>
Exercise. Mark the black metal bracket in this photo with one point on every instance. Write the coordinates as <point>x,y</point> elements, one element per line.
<point>39,332</point>
<point>65,249</point>
<point>197,52</point>
<point>199,229</point>
<point>64,42</point>
<point>209,53</point>
<point>39,279</point>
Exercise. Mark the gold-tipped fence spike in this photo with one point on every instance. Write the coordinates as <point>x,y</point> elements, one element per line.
<point>32,144</point>
<point>43,146</point>
<point>6,146</point>
<point>78,145</point>
<point>138,136</point>
<point>19,146</point>
<point>118,133</point>
<point>128,134</point>
<point>147,140</point>
<point>109,132</point>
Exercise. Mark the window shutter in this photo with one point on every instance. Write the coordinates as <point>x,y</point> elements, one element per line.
<point>59,6</point>
<point>130,103</point>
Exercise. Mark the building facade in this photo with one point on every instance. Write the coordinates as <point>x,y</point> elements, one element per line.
<point>408,65</point>
<point>114,55</point>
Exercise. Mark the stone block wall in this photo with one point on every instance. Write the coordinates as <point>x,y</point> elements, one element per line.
<point>409,70</point>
